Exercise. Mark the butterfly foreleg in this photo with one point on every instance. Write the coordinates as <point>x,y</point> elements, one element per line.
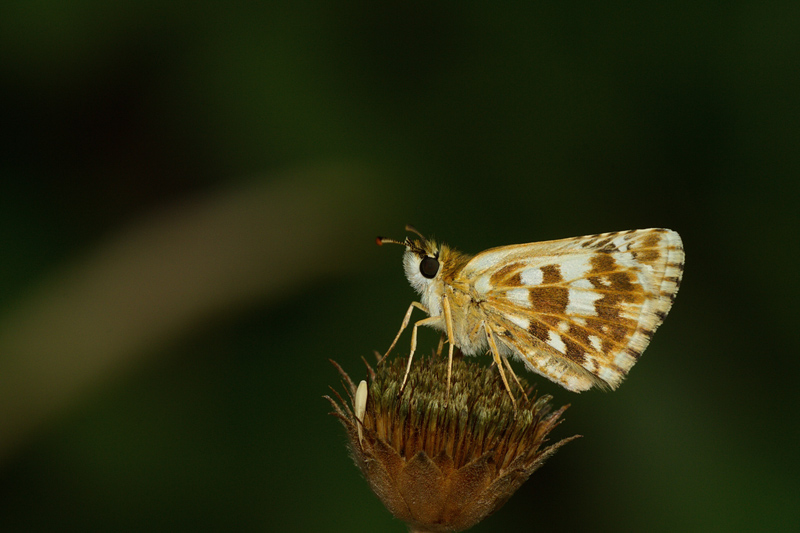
<point>406,320</point>
<point>430,321</point>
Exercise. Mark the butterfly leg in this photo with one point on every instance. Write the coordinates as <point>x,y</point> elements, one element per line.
<point>430,321</point>
<point>497,361</point>
<point>514,375</point>
<point>448,321</point>
<point>442,337</point>
<point>406,319</point>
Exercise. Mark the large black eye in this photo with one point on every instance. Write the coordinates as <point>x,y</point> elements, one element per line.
<point>429,266</point>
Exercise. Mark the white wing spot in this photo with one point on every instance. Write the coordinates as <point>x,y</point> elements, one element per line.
<point>482,286</point>
<point>575,268</point>
<point>554,340</point>
<point>522,322</point>
<point>582,283</point>
<point>581,302</point>
<point>595,342</point>
<point>519,297</point>
<point>484,261</point>
<point>532,276</point>
<point>621,242</point>
<point>563,326</point>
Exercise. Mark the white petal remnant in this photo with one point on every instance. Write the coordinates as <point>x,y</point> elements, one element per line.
<point>361,406</point>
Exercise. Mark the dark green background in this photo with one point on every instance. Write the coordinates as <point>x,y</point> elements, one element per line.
<point>484,125</point>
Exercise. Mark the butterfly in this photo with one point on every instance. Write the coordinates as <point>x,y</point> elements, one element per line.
<point>577,311</point>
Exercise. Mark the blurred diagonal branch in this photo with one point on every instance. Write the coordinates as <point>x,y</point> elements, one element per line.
<point>148,284</point>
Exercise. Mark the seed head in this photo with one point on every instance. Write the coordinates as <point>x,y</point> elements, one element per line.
<point>437,463</point>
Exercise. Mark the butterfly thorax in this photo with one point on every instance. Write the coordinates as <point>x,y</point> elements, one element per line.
<point>464,300</point>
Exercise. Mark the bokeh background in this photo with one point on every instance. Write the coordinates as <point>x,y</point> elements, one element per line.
<point>190,195</point>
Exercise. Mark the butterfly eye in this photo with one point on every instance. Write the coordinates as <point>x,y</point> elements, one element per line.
<point>429,266</point>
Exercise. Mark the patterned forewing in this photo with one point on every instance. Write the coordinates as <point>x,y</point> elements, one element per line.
<point>579,311</point>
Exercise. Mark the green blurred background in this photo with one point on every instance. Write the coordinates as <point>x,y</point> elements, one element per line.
<point>190,195</point>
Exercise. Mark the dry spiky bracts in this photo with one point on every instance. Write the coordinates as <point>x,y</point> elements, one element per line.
<point>439,463</point>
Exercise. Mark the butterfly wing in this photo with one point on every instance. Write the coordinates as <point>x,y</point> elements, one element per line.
<point>579,311</point>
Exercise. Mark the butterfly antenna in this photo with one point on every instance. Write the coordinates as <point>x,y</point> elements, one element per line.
<point>412,229</point>
<point>384,240</point>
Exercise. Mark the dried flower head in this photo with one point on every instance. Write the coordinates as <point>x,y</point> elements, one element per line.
<point>438,463</point>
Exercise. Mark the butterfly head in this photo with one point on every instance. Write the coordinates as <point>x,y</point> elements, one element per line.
<point>422,261</point>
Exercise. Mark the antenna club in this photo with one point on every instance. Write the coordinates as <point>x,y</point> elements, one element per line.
<point>379,240</point>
